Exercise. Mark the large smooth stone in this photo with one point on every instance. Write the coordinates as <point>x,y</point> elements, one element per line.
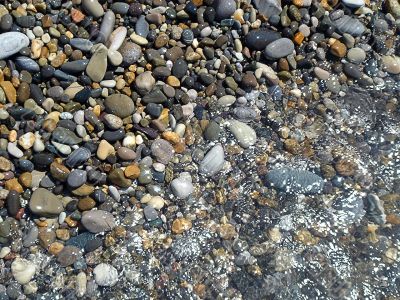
<point>93,8</point>
<point>119,105</point>
<point>96,221</point>
<point>213,162</point>
<point>107,25</point>
<point>45,204</point>
<point>11,43</point>
<point>279,48</point>
<point>224,9</point>
<point>258,39</point>
<point>268,7</point>
<point>347,24</point>
<point>97,66</point>
<point>295,181</point>
<point>245,135</point>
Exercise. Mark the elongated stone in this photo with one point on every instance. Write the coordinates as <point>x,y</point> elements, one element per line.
<point>76,66</point>
<point>97,67</point>
<point>142,27</point>
<point>96,221</point>
<point>11,43</point>
<point>260,38</point>
<point>347,24</point>
<point>213,162</point>
<point>117,38</point>
<point>107,25</point>
<point>81,44</point>
<point>26,63</point>
<point>295,181</point>
<point>93,8</point>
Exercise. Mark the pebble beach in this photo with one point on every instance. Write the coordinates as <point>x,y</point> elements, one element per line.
<point>200,149</point>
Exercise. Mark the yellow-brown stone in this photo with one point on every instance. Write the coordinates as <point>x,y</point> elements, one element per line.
<point>9,90</point>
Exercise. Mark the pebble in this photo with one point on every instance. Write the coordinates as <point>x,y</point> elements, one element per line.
<point>295,181</point>
<point>162,151</point>
<point>145,82</point>
<point>44,203</point>
<point>279,48</point>
<point>182,186</point>
<point>105,275</point>
<point>117,38</point>
<point>107,26</point>
<point>93,8</point>
<point>354,3</point>
<point>96,221</point>
<point>347,24</point>
<point>356,55</point>
<point>97,65</point>
<point>213,161</point>
<point>268,8</point>
<point>11,43</point>
<point>258,39</point>
<point>245,135</point>
<point>130,53</point>
<point>120,105</point>
<point>391,64</point>
<point>68,256</point>
<point>23,270</point>
<point>224,9</point>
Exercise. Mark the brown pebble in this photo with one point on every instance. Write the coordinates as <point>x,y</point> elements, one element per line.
<point>86,203</point>
<point>338,49</point>
<point>23,92</point>
<point>55,248</point>
<point>132,171</point>
<point>13,185</point>
<point>9,90</point>
<point>46,237</point>
<point>345,167</point>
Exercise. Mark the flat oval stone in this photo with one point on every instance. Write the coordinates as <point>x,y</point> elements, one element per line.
<point>347,24</point>
<point>117,38</point>
<point>97,66</point>
<point>64,136</point>
<point>213,162</point>
<point>354,3</point>
<point>26,63</point>
<point>120,8</point>
<point>105,275</point>
<point>76,66</point>
<point>295,181</point>
<point>93,8</point>
<point>245,135</point>
<point>81,44</point>
<point>259,39</point>
<point>142,27</point>
<point>279,48</point>
<point>45,204</point>
<point>96,221</point>
<point>119,105</point>
<point>78,157</point>
<point>11,43</point>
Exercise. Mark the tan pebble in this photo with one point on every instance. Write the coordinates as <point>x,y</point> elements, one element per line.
<point>171,137</point>
<point>58,60</point>
<point>36,48</point>
<point>227,231</point>
<point>55,248</point>
<point>9,90</point>
<point>13,185</point>
<point>71,223</point>
<point>180,225</point>
<point>49,125</point>
<point>63,234</point>
<point>97,110</point>
<point>54,115</point>
<point>12,136</point>
<point>345,167</point>
<point>26,141</point>
<point>25,179</point>
<point>104,150</point>
<point>5,164</point>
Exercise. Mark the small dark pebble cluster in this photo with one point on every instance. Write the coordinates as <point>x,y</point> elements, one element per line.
<point>199,149</point>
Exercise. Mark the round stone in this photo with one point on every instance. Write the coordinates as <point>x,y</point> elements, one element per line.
<point>119,105</point>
